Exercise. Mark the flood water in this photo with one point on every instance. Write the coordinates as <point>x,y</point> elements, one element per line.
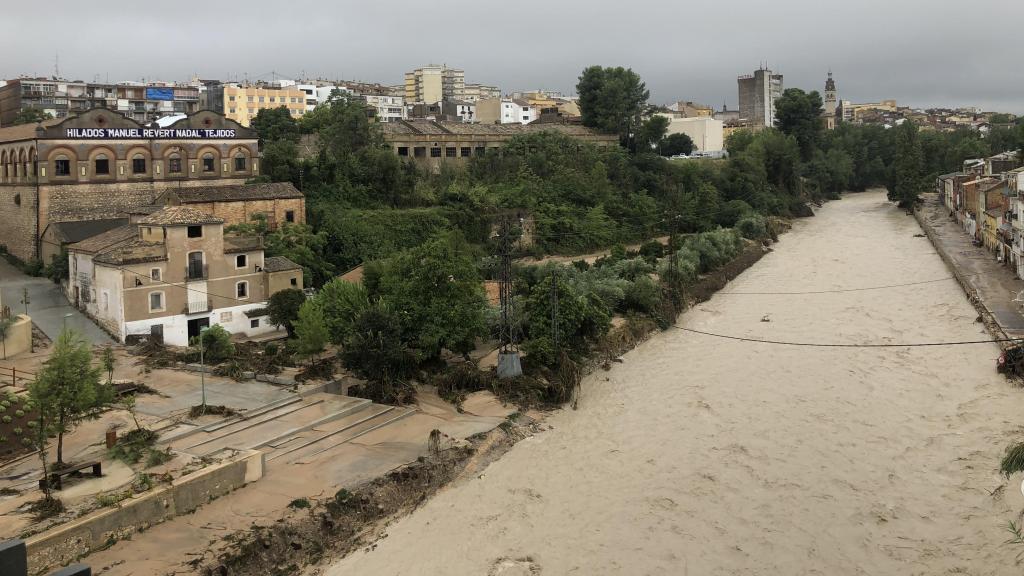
<point>699,455</point>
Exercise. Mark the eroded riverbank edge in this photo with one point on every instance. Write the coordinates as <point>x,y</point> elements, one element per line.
<point>331,528</point>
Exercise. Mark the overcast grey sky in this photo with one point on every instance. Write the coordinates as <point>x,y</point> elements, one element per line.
<point>920,52</point>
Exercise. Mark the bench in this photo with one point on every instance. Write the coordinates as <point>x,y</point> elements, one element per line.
<point>55,475</point>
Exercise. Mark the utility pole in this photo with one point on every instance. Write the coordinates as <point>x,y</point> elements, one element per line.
<point>202,367</point>
<point>554,309</point>
<point>509,365</point>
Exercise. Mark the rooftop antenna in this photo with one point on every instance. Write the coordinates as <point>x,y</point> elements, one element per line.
<point>56,65</point>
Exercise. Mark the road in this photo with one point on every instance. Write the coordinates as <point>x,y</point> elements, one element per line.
<point>47,305</point>
<point>705,456</point>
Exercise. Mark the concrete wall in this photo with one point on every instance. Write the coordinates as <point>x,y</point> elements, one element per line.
<point>70,541</point>
<point>19,337</point>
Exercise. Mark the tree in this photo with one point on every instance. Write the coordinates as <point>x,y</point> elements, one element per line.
<point>68,390</point>
<point>341,302</point>
<point>5,327</point>
<point>30,116</point>
<point>651,132</point>
<point>283,308</point>
<point>675,144</point>
<point>907,177</point>
<point>437,292</point>
<point>275,125</point>
<point>343,126</point>
<point>377,351</point>
<point>300,244</point>
<point>798,114</point>
<point>107,361</point>
<point>612,100</point>
<point>578,321</point>
<point>280,161</point>
<point>310,329</point>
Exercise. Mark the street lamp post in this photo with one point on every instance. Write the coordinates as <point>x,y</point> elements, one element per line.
<point>202,368</point>
<point>66,316</point>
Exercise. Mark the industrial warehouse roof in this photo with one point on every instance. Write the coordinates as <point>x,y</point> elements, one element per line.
<point>240,192</point>
<point>433,127</point>
<point>105,240</point>
<point>82,229</point>
<point>24,131</point>
<point>178,216</point>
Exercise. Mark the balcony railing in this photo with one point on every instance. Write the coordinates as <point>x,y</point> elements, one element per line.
<point>198,306</point>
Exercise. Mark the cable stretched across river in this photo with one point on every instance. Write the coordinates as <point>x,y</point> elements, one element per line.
<point>840,290</point>
<point>842,345</point>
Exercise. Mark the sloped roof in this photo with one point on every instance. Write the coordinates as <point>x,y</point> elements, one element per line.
<point>279,264</point>
<point>23,131</point>
<point>132,252</point>
<point>178,216</point>
<point>80,230</point>
<point>105,240</point>
<point>234,193</point>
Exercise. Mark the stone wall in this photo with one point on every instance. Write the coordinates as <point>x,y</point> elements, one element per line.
<point>18,232</point>
<point>19,337</point>
<point>78,538</point>
<point>240,212</point>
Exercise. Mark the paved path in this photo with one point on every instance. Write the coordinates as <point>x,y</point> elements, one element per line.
<point>47,305</point>
<point>996,284</point>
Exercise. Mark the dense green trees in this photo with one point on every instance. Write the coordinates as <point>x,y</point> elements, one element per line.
<point>612,100</point>
<point>798,114</point>
<point>906,179</point>
<point>283,309</point>
<point>674,144</point>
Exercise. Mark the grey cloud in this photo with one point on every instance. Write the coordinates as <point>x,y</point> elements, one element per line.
<point>919,52</point>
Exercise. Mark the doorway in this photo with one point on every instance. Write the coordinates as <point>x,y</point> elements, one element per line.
<point>195,326</point>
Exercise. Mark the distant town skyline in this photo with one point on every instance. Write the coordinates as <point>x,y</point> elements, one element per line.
<point>915,52</point>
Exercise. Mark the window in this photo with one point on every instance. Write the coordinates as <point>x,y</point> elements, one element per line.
<point>231,98</point>
<point>254,323</point>
<point>240,162</point>
<point>250,98</point>
<point>208,164</point>
<point>232,110</point>
<point>435,152</point>
<point>138,164</point>
<point>271,99</point>
<point>295,281</point>
<point>480,150</point>
<point>241,261</point>
<point>154,274</point>
<point>62,166</point>
<point>449,152</point>
<point>419,152</point>
<point>289,215</point>
<point>403,150</point>
<point>526,118</point>
<point>101,165</point>
<point>174,164</point>
<point>195,231</point>
<point>261,98</point>
<point>156,301</point>
<point>195,266</point>
<point>242,289</point>
<point>226,316</point>
<point>464,152</point>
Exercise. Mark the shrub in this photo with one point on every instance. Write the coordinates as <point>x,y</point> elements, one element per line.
<point>680,268</point>
<point>652,250</point>
<point>283,308</point>
<point>341,302</point>
<point>216,344</point>
<point>753,227</point>
<point>644,296</point>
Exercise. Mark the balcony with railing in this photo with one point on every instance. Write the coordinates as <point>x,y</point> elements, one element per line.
<point>198,306</point>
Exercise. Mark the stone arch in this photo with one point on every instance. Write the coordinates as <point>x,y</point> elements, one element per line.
<point>66,153</point>
<point>175,159</point>
<point>33,161</point>
<point>136,153</point>
<point>22,163</point>
<point>240,152</point>
<point>111,157</point>
<point>4,168</point>
<point>203,157</point>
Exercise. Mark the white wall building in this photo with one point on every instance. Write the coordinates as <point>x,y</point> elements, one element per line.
<point>708,134</point>
<point>389,108</point>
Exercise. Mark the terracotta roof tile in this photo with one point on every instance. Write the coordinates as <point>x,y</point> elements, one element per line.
<point>178,216</point>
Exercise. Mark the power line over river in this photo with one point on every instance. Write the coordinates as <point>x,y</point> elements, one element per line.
<point>703,455</point>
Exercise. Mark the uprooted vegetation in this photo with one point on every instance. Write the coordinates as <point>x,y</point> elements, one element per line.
<point>335,526</point>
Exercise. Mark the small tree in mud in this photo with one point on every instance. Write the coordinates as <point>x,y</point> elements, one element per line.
<point>375,350</point>
<point>68,389</point>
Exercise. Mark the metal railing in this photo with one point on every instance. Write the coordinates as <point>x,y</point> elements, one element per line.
<point>197,272</point>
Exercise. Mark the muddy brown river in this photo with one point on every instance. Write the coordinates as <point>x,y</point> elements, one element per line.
<point>699,455</point>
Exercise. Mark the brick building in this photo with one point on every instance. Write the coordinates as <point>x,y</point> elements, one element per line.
<point>100,165</point>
